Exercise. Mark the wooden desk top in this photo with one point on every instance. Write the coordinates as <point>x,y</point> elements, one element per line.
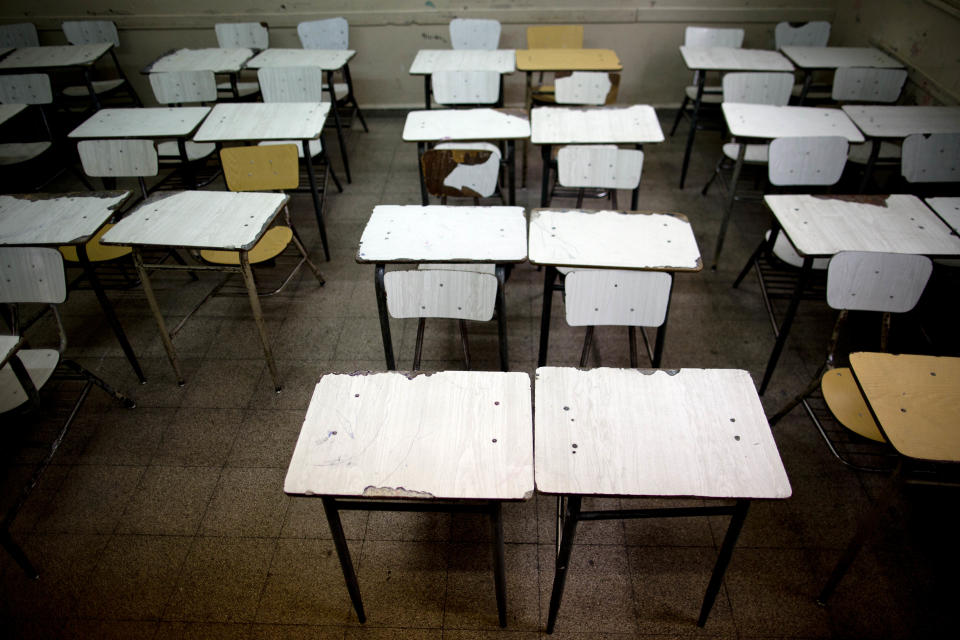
<point>453,434</point>
<point>835,57</point>
<point>436,125</point>
<point>199,220</point>
<point>825,225</point>
<point>155,122</point>
<point>40,219</point>
<point>213,59</point>
<point>629,432</point>
<point>326,59</point>
<point>916,400</point>
<point>733,59</point>
<point>637,124</point>
<point>769,122</point>
<point>49,57</point>
<point>882,121</point>
<point>413,233</point>
<point>430,60</point>
<point>568,60</point>
<point>613,239</point>
<point>264,121</point>
<point>948,209</point>
<point>7,111</point>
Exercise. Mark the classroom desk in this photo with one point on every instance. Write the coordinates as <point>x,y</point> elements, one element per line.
<point>915,401</point>
<point>411,234</point>
<point>195,220</point>
<point>427,61</point>
<point>652,433</point>
<point>636,124</point>
<point>608,240</point>
<point>218,60</point>
<point>260,121</point>
<point>810,59</point>
<point>463,125</point>
<point>948,208</point>
<point>57,58</point>
<point>722,59</point>
<point>54,220</point>
<point>821,226</point>
<point>416,442</point>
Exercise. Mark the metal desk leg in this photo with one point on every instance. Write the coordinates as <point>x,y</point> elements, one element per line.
<point>635,195</point>
<point>88,80</point>
<point>426,91</point>
<point>787,322</point>
<point>109,312</point>
<point>384,315</point>
<point>549,277</point>
<point>661,333</point>
<point>807,81</point>
<point>336,121</point>
<point>527,101</point>
<point>502,317</point>
<point>693,128</point>
<point>871,162</point>
<point>185,164</point>
<point>152,301</point>
<point>421,148</point>
<point>258,317</point>
<point>317,204</point>
<point>499,561</point>
<point>730,200</point>
<point>565,544</point>
<point>511,170</point>
<point>119,69</point>
<point>726,550</point>
<point>545,181</point>
<point>343,553</point>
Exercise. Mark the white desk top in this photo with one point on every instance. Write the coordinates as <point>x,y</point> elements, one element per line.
<point>948,209</point>
<point>466,124</point>
<point>613,239</point>
<point>453,434</point>
<point>73,55</point>
<point>733,59</point>
<point>412,233</point>
<point>637,124</point>
<point>326,59</point>
<point>213,59</point>
<point>56,219</point>
<point>627,432</point>
<point>155,122</point>
<point>769,122</point>
<point>879,121</point>
<point>430,60</point>
<point>7,111</point>
<point>835,57</point>
<point>264,121</point>
<point>199,220</point>
<point>825,225</point>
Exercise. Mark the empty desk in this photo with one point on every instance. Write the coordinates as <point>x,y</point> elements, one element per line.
<point>60,57</point>
<point>810,59</point>
<point>428,61</point>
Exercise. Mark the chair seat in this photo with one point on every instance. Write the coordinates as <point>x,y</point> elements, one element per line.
<point>860,153</point>
<point>99,87</point>
<point>39,363</point>
<point>843,396</point>
<point>783,249</point>
<point>711,95</point>
<point>315,146</point>
<point>756,153</point>
<point>96,251</point>
<point>17,152</point>
<point>195,150</point>
<point>243,88</point>
<point>272,244</point>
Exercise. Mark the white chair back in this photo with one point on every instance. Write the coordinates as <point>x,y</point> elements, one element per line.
<point>875,281</point>
<point>32,275</point>
<point>866,84</point>
<point>91,32</point>
<point>292,84</point>
<point>333,33</point>
<point>440,293</point>
<point>713,37</point>
<point>807,161</point>
<point>758,88</point>
<point>596,297</point>
<point>22,34</point>
<point>474,34</point>
<point>27,88</point>
<point>178,87</point>
<point>815,33</point>
<point>933,157</point>
<point>465,87</point>
<point>599,166</point>
<point>250,35</point>
<point>583,87</point>
<point>461,169</point>
<point>119,158</point>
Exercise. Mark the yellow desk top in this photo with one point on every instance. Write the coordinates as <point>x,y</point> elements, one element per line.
<point>567,60</point>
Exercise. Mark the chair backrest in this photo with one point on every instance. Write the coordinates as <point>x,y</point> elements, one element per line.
<point>250,35</point>
<point>758,88</point>
<point>465,87</point>
<point>807,161</point>
<point>177,87</point>
<point>291,84</point>
<point>32,275</point>
<point>875,281</point>
<point>261,168</point>
<point>333,33</point>
<point>27,88</point>
<point>596,297</point>
<point>91,32</point>
<point>586,87</point>
<point>867,84</point>
<point>555,36</point>
<point>599,166</point>
<point>815,33</point>
<point>22,34</point>
<point>931,157</point>
<point>440,293</point>
<point>467,171</point>
<point>713,37</point>
<point>120,158</point>
<point>474,34</point>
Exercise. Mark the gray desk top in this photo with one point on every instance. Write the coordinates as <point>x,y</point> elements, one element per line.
<point>264,121</point>
<point>883,121</point>
<point>769,122</point>
<point>56,219</point>
<point>636,124</point>
<point>733,59</point>
<point>948,208</point>
<point>7,111</point>
<point>326,59</point>
<point>435,125</point>
<point>836,57</point>
<point>155,122</point>
<point>428,61</point>
<point>212,59</point>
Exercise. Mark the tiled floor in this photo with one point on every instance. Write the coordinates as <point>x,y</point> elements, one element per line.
<point>169,520</point>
